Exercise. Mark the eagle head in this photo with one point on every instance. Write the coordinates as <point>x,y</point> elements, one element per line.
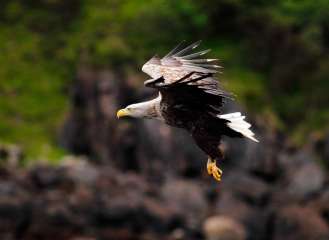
<point>138,110</point>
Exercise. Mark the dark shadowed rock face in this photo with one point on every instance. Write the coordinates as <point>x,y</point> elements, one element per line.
<point>296,222</point>
<point>187,198</point>
<point>83,200</point>
<point>247,187</point>
<point>110,205</point>
<point>252,217</point>
<point>309,179</point>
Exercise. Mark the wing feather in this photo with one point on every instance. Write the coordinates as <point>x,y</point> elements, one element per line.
<point>187,49</point>
<point>194,55</point>
<point>175,49</point>
<point>179,62</point>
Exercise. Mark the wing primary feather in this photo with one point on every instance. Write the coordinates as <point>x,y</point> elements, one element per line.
<point>174,50</point>
<point>194,55</point>
<point>196,68</point>
<point>188,48</point>
<point>199,60</point>
<point>207,66</point>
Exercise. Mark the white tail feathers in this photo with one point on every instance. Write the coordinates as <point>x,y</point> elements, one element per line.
<point>238,124</point>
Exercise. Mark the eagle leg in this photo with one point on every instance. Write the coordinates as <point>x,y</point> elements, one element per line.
<point>213,170</point>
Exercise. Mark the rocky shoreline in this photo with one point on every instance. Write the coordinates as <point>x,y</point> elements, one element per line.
<point>82,200</point>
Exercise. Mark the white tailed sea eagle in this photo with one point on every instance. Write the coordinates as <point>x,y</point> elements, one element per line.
<point>190,98</point>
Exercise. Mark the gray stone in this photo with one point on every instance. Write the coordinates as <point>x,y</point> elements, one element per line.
<point>223,228</point>
<point>306,180</point>
<point>296,223</point>
<point>186,197</point>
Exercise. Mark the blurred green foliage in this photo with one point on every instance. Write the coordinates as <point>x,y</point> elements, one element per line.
<point>275,55</point>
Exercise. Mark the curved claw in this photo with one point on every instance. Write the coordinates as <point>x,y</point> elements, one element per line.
<point>209,166</point>
<point>217,173</point>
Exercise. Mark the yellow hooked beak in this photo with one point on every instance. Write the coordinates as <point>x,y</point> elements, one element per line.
<point>122,113</point>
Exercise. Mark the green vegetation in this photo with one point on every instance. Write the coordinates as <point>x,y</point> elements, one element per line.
<point>275,55</point>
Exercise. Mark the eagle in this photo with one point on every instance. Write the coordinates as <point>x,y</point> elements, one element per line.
<point>190,98</point>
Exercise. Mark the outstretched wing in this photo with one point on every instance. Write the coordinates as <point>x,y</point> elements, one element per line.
<point>182,61</point>
<point>182,76</point>
<point>179,62</point>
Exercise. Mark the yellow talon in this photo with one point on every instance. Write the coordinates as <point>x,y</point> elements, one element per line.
<point>209,166</point>
<point>213,170</point>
